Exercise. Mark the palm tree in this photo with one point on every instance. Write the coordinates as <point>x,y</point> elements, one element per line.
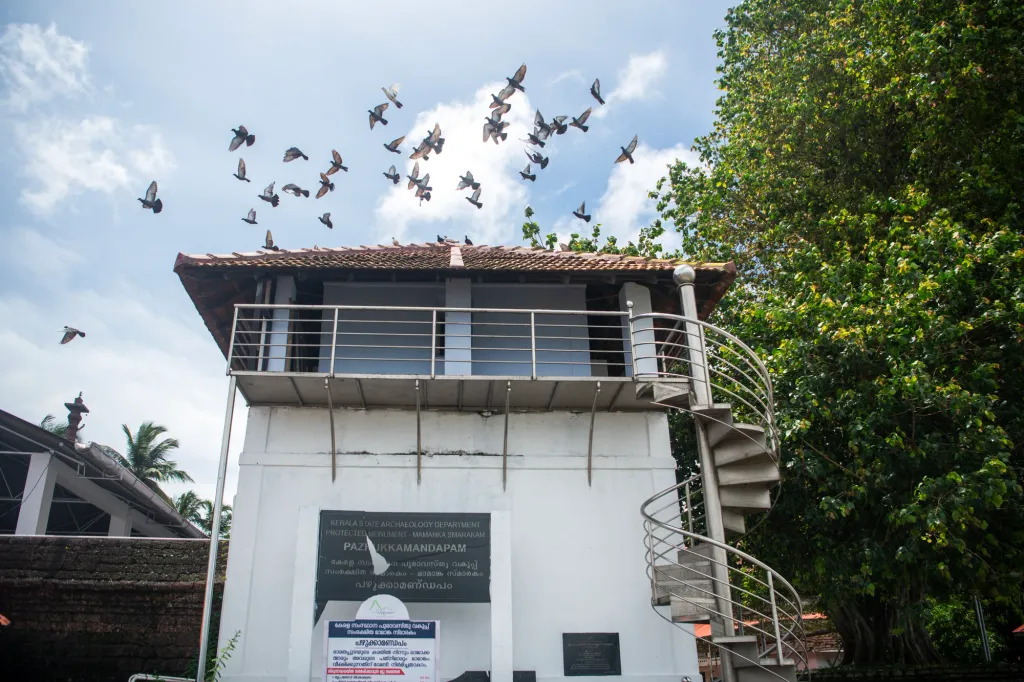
<point>57,428</point>
<point>190,505</point>
<point>206,519</point>
<point>147,458</point>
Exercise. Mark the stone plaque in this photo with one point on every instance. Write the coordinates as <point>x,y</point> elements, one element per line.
<point>430,557</point>
<point>591,653</point>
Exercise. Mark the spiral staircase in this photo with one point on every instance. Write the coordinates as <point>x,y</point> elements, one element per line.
<point>755,615</point>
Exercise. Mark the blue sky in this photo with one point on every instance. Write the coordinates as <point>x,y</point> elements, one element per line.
<point>99,98</point>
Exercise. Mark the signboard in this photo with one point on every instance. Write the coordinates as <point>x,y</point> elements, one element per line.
<point>428,557</point>
<point>381,651</point>
<point>593,653</point>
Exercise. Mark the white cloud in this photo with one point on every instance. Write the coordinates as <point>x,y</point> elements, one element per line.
<point>496,167</point>
<point>38,65</point>
<point>625,206</point>
<point>41,257</point>
<point>64,157</point>
<point>636,80</point>
<point>566,75</point>
<point>135,364</point>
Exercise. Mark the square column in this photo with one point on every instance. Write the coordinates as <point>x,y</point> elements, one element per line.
<point>37,496</point>
<point>643,330</point>
<point>458,346</point>
<point>120,525</point>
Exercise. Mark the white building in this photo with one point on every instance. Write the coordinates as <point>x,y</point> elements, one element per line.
<point>492,381</point>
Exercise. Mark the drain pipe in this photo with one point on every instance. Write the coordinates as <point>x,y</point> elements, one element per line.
<point>211,566</point>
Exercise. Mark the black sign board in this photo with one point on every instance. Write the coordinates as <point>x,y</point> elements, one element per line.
<point>593,653</point>
<point>431,557</point>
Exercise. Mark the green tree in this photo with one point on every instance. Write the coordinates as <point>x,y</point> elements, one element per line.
<point>206,519</point>
<point>147,457</point>
<point>865,172</point>
<point>56,427</point>
<point>190,506</point>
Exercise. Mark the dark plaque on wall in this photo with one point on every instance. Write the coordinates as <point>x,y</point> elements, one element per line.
<point>430,557</point>
<point>591,653</point>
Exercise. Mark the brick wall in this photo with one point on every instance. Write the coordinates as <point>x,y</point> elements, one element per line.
<point>101,609</point>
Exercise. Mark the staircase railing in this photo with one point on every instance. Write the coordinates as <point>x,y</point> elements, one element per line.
<point>762,602</point>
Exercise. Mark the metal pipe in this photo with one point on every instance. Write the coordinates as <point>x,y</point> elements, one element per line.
<point>533,345</point>
<point>330,418</point>
<point>986,652</point>
<point>632,346</point>
<point>218,506</point>
<point>433,342</point>
<point>231,343</point>
<point>518,311</point>
<point>419,446</point>
<point>689,509</point>
<point>775,618</point>
<point>590,439</point>
<point>334,343</point>
<point>504,445</point>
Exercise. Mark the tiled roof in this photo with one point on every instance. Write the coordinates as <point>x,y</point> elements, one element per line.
<point>434,256</point>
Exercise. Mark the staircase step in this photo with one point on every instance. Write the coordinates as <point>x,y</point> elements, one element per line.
<point>713,414</point>
<point>760,472</point>
<point>672,392</point>
<point>745,498</point>
<point>692,609</point>
<point>766,673</point>
<point>680,582</point>
<point>741,452</point>
<point>733,522</point>
<point>719,433</point>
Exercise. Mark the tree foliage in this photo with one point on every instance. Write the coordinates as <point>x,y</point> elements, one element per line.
<point>865,172</point>
<point>147,457</point>
<point>199,512</point>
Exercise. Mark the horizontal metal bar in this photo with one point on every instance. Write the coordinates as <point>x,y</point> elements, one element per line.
<point>517,311</point>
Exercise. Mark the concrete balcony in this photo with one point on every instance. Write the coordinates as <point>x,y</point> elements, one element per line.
<point>472,359</point>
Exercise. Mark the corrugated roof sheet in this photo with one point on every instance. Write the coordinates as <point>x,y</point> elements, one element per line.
<point>434,256</point>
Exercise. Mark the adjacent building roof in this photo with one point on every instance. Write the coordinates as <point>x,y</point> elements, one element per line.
<point>218,282</point>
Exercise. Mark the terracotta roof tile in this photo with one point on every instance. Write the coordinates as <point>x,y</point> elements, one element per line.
<point>431,257</point>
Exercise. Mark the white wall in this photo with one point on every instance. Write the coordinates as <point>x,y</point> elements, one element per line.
<point>578,561</point>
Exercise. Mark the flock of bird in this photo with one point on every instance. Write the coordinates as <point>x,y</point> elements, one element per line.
<point>432,143</point>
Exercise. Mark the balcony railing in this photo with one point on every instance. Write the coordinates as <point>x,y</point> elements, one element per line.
<point>370,341</point>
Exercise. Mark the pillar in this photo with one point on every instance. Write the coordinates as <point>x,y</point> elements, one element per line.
<point>643,330</point>
<point>37,495</point>
<point>458,346</point>
<point>120,525</point>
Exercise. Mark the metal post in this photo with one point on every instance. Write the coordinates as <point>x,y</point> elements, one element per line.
<point>231,343</point>
<point>334,343</point>
<point>775,620</point>
<point>632,347</point>
<point>504,446</point>
<point>981,626</point>
<point>590,441</point>
<point>533,345</point>
<point>330,418</point>
<point>689,512</point>
<point>211,565</point>
<point>419,447</point>
<point>684,276</point>
<point>433,343</point>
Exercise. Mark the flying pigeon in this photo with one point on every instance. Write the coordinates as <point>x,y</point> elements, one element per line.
<point>295,189</point>
<point>468,242</point>
<point>423,185</point>
<point>241,135</point>
<point>392,94</point>
<point>380,564</point>
<point>579,122</point>
<point>502,109</point>
<point>533,139</point>
<point>558,125</point>
<point>422,151</point>
<point>435,140</point>
<point>423,195</point>
<point>475,199</point>
<point>537,158</point>
<point>294,153</point>
<point>392,175</point>
<point>393,145</point>
<point>325,186</point>
<point>595,90</point>
<point>241,171</point>
<point>69,334</point>
<point>540,128</point>
<point>527,175</point>
<point>151,201</point>
<point>516,81</point>
<point>269,196</point>
<point>251,218</point>
<point>326,220</point>
<point>414,179</point>
<point>336,163</point>
<point>468,181</point>
<point>499,99</point>
<point>581,213</point>
<point>493,128</point>
<point>268,242</point>
<point>377,114</point>
<point>627,151</point>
